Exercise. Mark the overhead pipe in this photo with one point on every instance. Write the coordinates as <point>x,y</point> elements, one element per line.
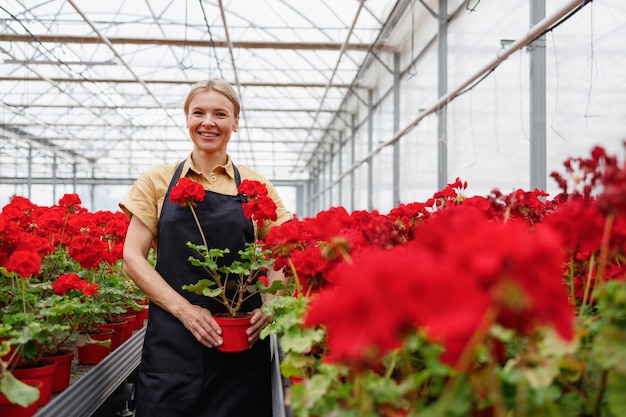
<point>534,33</point>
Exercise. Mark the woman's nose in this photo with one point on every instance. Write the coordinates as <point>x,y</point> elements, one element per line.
<point>208,120</point>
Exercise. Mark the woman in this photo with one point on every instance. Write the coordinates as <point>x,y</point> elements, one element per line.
<point>182,374</point>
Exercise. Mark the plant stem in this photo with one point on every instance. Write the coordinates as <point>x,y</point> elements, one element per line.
<point>225,301</point>
<point>62,229</point>
<point>586,295</point>
<point>604,247</point>
<point>570,274</point>
<point>392,364</point>
<point>598,400</point>
<point>195,217</point>
<point>482,330</point>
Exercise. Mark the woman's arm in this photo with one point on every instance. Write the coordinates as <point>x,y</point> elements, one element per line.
<point>196,319</point>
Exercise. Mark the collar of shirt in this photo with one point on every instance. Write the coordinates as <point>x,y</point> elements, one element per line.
<point>226,168</point>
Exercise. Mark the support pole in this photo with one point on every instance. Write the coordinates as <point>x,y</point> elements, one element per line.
<point>396,126</point>
<point>370,146</point>
<point>442,90</point>
<point>537,49</point>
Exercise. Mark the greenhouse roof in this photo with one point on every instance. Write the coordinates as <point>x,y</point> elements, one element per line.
<point>98,86</point>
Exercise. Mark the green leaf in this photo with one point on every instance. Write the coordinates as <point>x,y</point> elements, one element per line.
<point>311,393</point>
<point>5,347</point>
<point>275,286</point>
<point>609,349</point>
<point>84,339</point>
<point>212,292</point>
<point>199,287</point>
<point>300,340</point>
<point>238,268</point>
<point>615,389</point>
<point>18,392</point>
<point>208,263</point>
<point>294,363</point>
<point>571,404</point>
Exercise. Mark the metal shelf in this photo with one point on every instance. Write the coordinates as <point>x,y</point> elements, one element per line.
<point>83,398</point>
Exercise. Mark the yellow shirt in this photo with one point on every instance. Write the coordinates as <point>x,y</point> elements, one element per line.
<point>146,196</point>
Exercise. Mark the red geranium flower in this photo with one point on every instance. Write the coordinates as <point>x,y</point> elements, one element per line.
<point>24,262</point>
<point>187,192</point>
<point>259,206</point>
<point>69,201</point>
<point>252,188</point>
<point>68,282</point>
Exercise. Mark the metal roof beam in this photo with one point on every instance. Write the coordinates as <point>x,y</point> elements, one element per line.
<point>307,46</point>
<point>177,108</point>
<point>152,126</point>
<point>182,82</point>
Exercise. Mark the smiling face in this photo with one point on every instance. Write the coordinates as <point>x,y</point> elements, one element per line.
<point>211,119</point>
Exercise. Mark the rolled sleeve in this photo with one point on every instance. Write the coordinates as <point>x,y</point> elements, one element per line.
<point>145,198</point>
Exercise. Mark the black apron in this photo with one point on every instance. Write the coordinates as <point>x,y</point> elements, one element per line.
<point>178,376</point>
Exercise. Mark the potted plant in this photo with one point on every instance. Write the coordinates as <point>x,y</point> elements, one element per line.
<point>231,284</point>
<point>510,304</point>
<point>67,247</point>
<point>17,398</point>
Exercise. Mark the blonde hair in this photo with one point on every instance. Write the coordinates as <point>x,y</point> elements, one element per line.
<point>218,85</point>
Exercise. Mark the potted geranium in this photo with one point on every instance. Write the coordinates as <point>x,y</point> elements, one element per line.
<point>16,396</point>
<point>510,304</point>
<point>231,285</point>
<point>49,261</point>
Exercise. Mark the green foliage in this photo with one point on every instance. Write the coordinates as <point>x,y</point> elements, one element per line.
<point>616,393</point>
<point>232,284</point>
<point>17,391</point>
<point>541,375</point>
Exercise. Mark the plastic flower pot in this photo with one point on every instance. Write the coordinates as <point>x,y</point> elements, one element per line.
<point>94,353</point>
<point>15,410</point>
<point>63,371</point>
<point>119,332</point>
<point>140,317</point>
<point>130,323</point>
<point>42,371</point>
<point>234,334</point>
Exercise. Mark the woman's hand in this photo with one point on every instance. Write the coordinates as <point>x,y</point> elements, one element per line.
<point>196,319</point>
<point>202,325</point>
<point>257,323</point>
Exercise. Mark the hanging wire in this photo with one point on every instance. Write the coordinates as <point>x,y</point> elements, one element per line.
<point>412,70</point>
<point>593,71</point>
<point>208,28</point>
<point>472,136</point>
<point>186,52</point>
<point>495,112</point>
<point>556,93</point>
<point>521,111</point>
<point>530,41</point>
<point>473,8</point>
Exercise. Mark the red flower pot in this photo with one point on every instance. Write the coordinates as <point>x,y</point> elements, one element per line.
<point>63,370</point>
<point>140,317</point>
<point>42,371</point>
<point>130,323</point>
<point>234,334</point>
<point>92,353</point>
<point>119,332</point>
<point>14,410</point>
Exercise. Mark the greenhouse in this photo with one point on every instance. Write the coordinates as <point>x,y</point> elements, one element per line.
<point>416,207</point>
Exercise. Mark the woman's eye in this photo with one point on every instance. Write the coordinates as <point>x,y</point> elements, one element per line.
<point>221,114</point>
